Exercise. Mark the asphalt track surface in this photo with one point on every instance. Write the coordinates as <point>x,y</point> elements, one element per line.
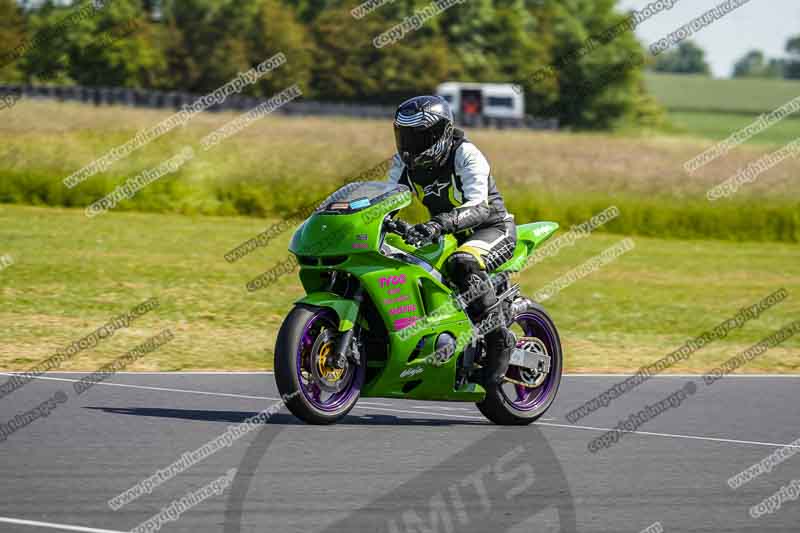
<point>394,465</point>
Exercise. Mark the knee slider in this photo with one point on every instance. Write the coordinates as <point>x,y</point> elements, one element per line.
<point>462,265</point>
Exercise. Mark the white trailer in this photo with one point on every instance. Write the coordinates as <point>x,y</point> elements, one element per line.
<point>477,101</point>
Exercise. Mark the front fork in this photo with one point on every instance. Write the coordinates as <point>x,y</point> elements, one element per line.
<point>342,347</point>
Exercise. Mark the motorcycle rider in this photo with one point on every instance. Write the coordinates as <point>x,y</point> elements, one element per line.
<point>453,180</point>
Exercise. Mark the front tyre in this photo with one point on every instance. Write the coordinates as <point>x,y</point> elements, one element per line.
<point>514,404</point>
<point>313,391</point>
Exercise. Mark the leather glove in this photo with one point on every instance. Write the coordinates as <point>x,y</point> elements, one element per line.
<point>423,233</point>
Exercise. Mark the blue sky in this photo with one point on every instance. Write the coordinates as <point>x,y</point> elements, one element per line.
<point>761,24</point>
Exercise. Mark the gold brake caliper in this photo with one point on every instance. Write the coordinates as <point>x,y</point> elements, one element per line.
<point>330,374</point>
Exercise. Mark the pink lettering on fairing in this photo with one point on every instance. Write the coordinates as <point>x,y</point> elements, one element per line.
<point>390,301</point>
<point>401,323</point>
<point>402,309</point>
<point>392,280</point>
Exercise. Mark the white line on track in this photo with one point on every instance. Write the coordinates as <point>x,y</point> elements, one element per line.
<point>676,376</point>
<point>145,373</point>
<point>415,412</point>
<point>676,436</point>
<point>51,525</point>
<point>163,389</point>
<point>205,393</point>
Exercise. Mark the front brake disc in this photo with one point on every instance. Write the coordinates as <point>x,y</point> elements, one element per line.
<point>327,378</point>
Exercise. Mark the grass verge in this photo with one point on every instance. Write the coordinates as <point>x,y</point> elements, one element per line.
<point>71,274</point>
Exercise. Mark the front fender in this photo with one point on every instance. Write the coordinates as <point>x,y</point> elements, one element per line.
<point>345,309</point>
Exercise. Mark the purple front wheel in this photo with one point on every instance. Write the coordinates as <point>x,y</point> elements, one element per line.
<point>316,391</point>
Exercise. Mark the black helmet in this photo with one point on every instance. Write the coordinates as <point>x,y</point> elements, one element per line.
<point>423,130</point>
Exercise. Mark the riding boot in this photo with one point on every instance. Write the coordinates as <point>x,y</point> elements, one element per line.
<point>500,344</point>
<point>477,294</point>
<point>500,341</point>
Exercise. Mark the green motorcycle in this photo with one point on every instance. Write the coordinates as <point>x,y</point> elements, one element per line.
<point>379,320</point>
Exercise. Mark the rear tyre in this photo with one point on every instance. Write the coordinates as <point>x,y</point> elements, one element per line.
<point>314,392</point>
<point>515,405</point>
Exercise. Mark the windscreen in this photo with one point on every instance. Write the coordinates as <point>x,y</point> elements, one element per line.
<point>359,195</point>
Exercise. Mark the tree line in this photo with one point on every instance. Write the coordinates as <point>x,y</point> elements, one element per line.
<point>689,58</point>
<point>755,64</point>
<point>199,45</point>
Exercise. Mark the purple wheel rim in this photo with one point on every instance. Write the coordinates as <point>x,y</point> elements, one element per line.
<point>310,390</point>
<point>531,399</point>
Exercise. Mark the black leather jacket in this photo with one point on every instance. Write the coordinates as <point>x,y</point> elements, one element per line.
<point>460,195</point>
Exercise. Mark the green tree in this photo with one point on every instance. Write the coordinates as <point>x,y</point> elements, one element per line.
<point>276,28</point>
<point>755,65</point>
<point>516,42</point>
<point>209,42</point>
<point>594,78</point>
<point>592,60</point>
<point>688,58</point>
<point>111,46</point>
<point>347,65</point>
<point>469,29</point>
<point>194,38</point>
<point>793,63</point>
<point>12,34</point>
<point>308,10</point>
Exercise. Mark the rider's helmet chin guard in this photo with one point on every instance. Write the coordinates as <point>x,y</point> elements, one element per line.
<point>423,131</point>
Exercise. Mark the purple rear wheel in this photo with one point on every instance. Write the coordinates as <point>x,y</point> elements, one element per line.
<point>529,398</point>
<point>528,394</point>
<point>317,392</point>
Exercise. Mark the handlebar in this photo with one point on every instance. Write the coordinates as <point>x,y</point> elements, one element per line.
<point>398,227</point>
<point>403,228</point>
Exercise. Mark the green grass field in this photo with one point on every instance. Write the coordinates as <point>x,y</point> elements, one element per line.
<point>721,125</point>
<point>700,93</point>
<point>715,108</point>
<point>72,274</point>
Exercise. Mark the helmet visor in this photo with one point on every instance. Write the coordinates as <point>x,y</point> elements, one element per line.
<point>415,141</point>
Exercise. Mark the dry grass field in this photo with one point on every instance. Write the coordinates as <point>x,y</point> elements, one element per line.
<point>56,139</point>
